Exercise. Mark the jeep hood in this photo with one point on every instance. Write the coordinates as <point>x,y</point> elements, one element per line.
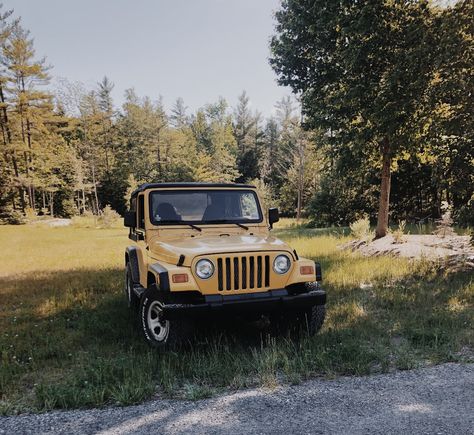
<point>171,250</point>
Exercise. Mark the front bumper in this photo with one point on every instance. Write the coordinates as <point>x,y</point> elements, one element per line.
<point>264,302</point>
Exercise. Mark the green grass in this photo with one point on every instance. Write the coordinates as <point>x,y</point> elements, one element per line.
<point>67,339</point>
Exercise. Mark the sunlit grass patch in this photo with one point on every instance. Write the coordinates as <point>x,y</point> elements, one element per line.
<point>347,269</point>
<point>67,339</point>
<point>290,223</point>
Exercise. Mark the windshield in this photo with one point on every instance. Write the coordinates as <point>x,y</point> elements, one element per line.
<point>204,207</point>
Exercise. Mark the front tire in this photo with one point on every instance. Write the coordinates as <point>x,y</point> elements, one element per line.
<point>157,331</point>
<point>308,320</point>
<point>314,318</point>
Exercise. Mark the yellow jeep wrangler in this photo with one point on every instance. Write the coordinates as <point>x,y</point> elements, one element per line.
<point>205,248</point>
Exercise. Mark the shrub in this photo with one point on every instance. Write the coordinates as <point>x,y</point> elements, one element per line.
<point>9,216</point>
<point>86,220</point>
<point>69,208</point>
<point>464,216</point>
<point>400,232</point>
<point>360,229</point>
<point>109,218</point>
<point>444,226</point>
<point>30,214</point>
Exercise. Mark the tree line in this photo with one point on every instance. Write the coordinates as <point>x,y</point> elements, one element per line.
<point>385,90</point>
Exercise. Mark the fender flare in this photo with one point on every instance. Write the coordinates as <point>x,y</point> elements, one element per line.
<point>163,276</point>
<point>131,256</point>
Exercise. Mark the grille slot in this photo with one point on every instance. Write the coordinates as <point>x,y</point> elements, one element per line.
<point>227,274</point>
<point>252,272</point>
<point>244,272</point>
<point>219,275</point>
<point>236,273</point>
<point>241,273</point>
<point>267,270</point>
<point>259,271</point>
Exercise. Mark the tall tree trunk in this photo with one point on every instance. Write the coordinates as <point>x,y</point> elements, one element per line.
<point>20,188</point>
<point>382,219</point>
<point>95,190</point>
<point>5,115</point>
<point>9,140</point>
<point>300,180</point>
<point>51,204</point>
<point>83,202</point>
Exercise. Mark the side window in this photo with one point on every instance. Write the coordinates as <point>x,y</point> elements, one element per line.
<point>141,212</point>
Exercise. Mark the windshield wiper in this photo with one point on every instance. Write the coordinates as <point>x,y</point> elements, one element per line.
<point>224,221</point>
<point>194,227</point>
<point>245,227</point>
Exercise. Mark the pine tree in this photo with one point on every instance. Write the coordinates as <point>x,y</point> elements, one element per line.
<point>179,118</point>
<point>30,109</point>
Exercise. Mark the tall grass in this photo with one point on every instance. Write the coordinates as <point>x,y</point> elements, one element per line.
<point>67,339</point>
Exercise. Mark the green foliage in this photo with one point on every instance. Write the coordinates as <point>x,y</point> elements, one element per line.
<point>383,78</point>
<point>369,74</point>
<point>360,229</point>
<point>465,214</point>
<point>85,220</point>
<point>108,218</point>
<point>9,216</point>
<point>444,226</point>
<point>399,232</point>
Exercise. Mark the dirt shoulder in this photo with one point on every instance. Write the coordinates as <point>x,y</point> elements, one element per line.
<point>429,400</point>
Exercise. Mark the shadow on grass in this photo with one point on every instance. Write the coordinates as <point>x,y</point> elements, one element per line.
<point>68,338</point>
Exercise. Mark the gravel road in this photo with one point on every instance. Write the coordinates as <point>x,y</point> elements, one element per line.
<point>435,400</point>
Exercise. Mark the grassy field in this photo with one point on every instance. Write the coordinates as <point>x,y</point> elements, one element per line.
<point>67,339</point>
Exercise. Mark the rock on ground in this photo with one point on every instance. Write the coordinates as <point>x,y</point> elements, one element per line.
<point>455,251</point>
<point>53,222</point>
<point>434,400</point>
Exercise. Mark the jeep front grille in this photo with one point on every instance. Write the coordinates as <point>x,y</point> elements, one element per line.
<point>240,273</point>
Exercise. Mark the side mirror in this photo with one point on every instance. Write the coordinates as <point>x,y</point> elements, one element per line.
<point>273,216</point>
<point>130,219</point>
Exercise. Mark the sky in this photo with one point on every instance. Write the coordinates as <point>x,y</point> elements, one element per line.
<point>194,49</point>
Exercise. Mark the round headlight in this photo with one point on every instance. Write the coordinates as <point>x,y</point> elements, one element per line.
<point>281,264</point>
<point>204,269</point>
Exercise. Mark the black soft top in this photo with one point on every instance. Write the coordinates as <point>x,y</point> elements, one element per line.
<point>185,184</point>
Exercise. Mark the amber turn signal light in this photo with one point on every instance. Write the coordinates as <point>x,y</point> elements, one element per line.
<point>180,277</point>
<point>306,270</point>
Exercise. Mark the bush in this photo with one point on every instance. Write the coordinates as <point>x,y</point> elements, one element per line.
<point>86,220</point>
<point>109,218</point>
<point>444,226</point>
<point>8,216</point>
<point>30,214</point>
<point>360,229</point>
<point>400,232</point>
<point>464,216</point>
<point>69,208</point>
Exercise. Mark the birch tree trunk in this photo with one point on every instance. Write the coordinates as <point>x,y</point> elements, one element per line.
<point>96,197</point>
